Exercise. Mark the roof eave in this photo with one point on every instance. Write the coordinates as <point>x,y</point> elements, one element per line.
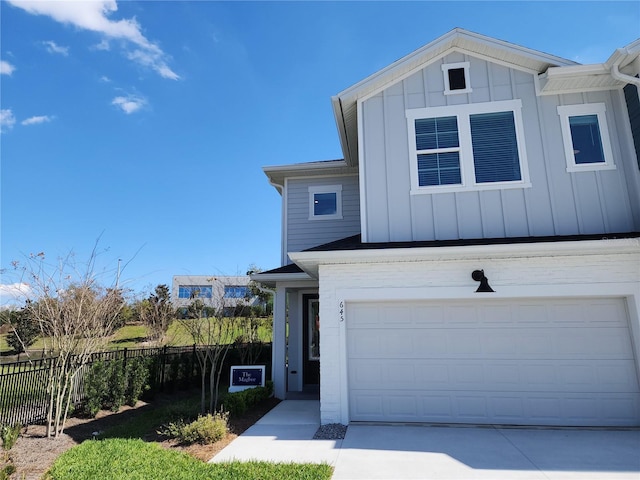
<point>309,261</point>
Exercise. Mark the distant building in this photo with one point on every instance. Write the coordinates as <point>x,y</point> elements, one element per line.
<point>226,292</point>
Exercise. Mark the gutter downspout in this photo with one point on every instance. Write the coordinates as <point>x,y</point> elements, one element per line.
<point>617,74</point>
<point>280,189</point>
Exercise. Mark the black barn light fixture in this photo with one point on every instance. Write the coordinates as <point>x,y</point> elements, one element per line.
<point>478,276</point>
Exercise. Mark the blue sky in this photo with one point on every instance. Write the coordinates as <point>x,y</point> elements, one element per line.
<point>146,124</point>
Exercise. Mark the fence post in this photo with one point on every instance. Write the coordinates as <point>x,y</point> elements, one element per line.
<point>124,360</point>
<point>162,367</point>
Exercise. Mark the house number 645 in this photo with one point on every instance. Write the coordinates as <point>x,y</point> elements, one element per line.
<point>341,311</point>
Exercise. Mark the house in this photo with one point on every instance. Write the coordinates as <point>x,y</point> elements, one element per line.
<point>228,293</point>
<point>475,257</point>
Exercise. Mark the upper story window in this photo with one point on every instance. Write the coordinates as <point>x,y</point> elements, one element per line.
<point>586,137</point>
<point>467,147</point>
<point>325,202</point>
<point>456,78</point>
<point>195,291</point>
<point>236,291</point>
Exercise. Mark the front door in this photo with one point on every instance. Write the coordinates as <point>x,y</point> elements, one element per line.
<point>311,339</point>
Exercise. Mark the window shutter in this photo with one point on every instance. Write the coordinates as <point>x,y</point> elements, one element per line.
<point>495,148</point>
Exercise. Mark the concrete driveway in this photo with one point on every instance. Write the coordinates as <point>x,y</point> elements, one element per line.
<point>438,453</point>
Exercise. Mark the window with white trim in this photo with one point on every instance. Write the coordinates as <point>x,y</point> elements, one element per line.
<point>456,78</point>
<point>325,202</point>
<point>467,147</point>
<point>586,137</point>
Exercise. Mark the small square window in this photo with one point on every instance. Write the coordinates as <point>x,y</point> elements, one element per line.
<point>456,78</point>
<point>585,136</point>
<point>325,202</point>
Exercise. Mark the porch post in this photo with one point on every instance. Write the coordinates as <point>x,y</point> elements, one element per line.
<point>279,344</point>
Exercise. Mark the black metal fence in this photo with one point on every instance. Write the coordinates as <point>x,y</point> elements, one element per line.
<point>23,385</point>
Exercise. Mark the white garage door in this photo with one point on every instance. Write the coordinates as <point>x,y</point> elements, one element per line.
<point>526,362</point>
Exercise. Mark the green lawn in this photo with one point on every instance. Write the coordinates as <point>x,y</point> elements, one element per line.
<point>121,454</point>
<point>132,336</point>
<point>133,459</point>
<point>4,346</point>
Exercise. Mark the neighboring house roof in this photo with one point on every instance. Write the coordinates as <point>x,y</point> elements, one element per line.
<point>353,250</point>
<point>278,173</point>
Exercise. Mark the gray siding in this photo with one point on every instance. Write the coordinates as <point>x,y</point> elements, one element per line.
<point>302,233</point>
<point>557,203</point>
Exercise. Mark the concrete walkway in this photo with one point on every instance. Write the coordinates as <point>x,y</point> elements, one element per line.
<point>439,453</point>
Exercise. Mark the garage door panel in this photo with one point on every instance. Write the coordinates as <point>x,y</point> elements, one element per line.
<point>496,365</point>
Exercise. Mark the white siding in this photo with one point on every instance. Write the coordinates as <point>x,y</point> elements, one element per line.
<point>302,233</point>
<point>557,203</point>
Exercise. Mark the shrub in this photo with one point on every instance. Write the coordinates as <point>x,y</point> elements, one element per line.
<point>137,378</point>
<point>111,385</point>
<point>205,429</point>
<point>117,385</point>
<point>238,402</point>
<point>9,435</point>
<point>96,388</point>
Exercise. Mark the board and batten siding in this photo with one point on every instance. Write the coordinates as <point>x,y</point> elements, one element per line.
<point>303,233</point>
<point>557,203</point>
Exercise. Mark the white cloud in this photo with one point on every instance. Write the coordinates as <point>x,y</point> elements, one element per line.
<point>6,68</point>
<point>53,47</point>
<point>36,120</point>
<point>129,104</point>
<point>103,45</point>
<point>94,16</point>
<point>7,120</point>
<point>14,293</point>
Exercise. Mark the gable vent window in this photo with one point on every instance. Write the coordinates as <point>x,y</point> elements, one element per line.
<point>467,147</point>
<point>456,78</point>
<point>586,137</point>
<point>325,202</point>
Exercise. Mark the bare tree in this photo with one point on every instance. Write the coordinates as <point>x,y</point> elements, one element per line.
<point>75,315</point>
<point>213,334</point>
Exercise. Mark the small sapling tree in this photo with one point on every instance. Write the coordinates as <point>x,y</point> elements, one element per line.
<point>213,334</point>
<point>75,315</point>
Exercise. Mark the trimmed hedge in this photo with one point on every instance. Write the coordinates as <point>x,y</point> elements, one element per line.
<point>239,402</point>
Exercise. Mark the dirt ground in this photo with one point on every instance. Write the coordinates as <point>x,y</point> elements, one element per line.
<point>33,454</point>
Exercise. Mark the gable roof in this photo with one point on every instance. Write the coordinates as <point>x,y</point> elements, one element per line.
<point>458,39</point>
<point>557,75</point>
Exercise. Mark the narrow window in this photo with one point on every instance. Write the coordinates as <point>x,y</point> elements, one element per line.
<point>495,147</point>
<point>438,151</point>
<point>586,137</point>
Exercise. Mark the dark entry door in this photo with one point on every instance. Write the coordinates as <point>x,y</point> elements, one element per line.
<point>311,339</point>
